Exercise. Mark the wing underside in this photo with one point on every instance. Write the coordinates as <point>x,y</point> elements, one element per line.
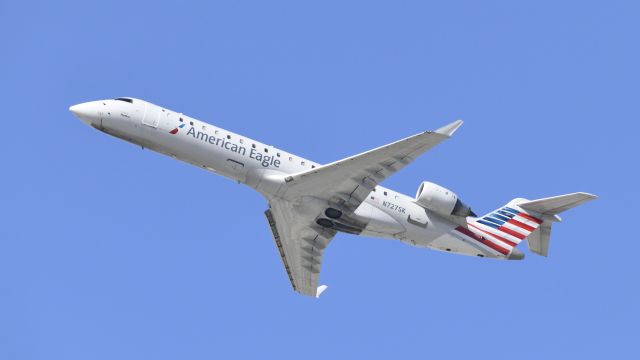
<point>349,181</point>
<point>300,240</point>
<point>301,245</point>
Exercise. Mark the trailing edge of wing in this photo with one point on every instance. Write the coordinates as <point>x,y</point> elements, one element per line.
<point>300,243</point>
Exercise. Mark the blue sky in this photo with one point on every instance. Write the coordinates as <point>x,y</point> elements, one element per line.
<point>111,252</point>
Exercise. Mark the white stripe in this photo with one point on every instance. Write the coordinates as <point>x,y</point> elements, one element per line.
<point>498,242</point>
<point>498,232</point>
<point>476,244</point>
<point>526,222</point>
<point>518,229</point>
<point>501,244</point>
<point>492,239</point>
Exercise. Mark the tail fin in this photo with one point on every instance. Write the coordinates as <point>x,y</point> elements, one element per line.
<point>527,219</point>
<point>506,227</point>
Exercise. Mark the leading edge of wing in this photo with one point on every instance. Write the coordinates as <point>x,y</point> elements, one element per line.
<point>445,131</point>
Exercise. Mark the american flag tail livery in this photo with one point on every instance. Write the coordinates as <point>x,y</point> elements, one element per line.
<point>503,229</point>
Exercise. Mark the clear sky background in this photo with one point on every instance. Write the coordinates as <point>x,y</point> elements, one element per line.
<point>111,252</point>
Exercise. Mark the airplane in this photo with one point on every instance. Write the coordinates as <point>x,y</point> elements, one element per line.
<point>309,203</point>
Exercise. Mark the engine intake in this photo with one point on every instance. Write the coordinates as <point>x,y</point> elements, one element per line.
<point>441,200</point>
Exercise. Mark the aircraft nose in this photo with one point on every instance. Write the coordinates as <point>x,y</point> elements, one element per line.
<point>87,112</point>
<point>78,109</point>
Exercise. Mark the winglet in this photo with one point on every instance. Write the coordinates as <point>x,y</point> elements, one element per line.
<point>449,129</point>
<point>320,290</point>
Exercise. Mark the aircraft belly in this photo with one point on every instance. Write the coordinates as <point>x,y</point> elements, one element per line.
<point>380,223</point>
<point>450,243</point>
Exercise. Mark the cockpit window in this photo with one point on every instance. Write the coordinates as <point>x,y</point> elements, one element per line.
<point>130,101</point>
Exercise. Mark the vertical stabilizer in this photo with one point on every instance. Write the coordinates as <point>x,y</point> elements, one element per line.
<point>503,229</point>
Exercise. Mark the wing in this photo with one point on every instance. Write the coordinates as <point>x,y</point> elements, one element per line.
<point>349,181</point>
<point>300,241</point>
<point>301,244</point>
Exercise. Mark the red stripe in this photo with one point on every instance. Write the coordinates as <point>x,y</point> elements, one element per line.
<point>512,232</point>
<point>529,217</point>
<point>521,225</point>
<point>496,236</point>
<point>484,241</point>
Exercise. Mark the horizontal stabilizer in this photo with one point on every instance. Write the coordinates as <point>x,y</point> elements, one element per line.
<point>557,204</point>
<point>549,207</point>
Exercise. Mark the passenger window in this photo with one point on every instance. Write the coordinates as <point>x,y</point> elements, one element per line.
<point>241,141</point>
<point>290,158</point>
<point>228,136</point>
<point>181,120</point>
<point>278,154</point>
<point>302,163</point>
<point>385,193</point>
<point>266,150</point>
<point>191,123</point>
<point>253,146</point>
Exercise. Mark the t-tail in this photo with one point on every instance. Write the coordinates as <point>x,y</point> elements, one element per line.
<point>503,229</point>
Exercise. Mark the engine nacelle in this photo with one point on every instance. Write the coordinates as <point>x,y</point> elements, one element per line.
<point>440,200</point>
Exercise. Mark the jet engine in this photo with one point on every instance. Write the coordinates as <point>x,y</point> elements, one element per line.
<point>440,200</point>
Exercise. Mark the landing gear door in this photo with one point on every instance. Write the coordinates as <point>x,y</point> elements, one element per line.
<point>151,116</point>
<point>235,169</point>
<point>418,218</point>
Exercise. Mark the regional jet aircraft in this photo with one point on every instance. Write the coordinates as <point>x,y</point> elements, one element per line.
<point>309,203</point>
